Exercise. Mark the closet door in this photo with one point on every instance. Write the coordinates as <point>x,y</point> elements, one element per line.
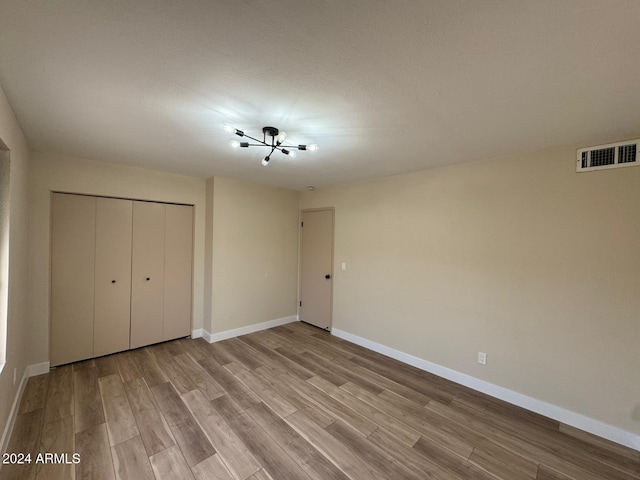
<point>113,276</point>
<point>73,221</point>
<point>178,260</point>
<point>147,273</point>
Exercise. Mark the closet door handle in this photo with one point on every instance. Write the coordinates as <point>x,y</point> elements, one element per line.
<point>113,281</point>
<point>148,278</point>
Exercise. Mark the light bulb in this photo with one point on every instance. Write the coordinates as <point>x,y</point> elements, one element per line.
<point>265,161</point>
<point>313,147</point>
<point>281,137</point>
<point>228,129</point>
<point>234,144</point>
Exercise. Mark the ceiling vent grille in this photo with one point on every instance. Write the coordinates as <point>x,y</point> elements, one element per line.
<point>613,155</point>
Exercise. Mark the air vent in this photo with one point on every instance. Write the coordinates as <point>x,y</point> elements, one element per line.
<point>613,155</point>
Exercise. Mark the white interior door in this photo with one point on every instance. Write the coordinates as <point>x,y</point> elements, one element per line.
<point>316,268</point>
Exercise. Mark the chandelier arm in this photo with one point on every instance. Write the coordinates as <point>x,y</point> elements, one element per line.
<point>256,139</point>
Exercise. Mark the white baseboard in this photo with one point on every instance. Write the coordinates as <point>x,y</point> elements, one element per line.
<point>236,332</point>
<point>30,371</point>
<point>197,333</point>
<point>38,369</point>
<point>560,414</point>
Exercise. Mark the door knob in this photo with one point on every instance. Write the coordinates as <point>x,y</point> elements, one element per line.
<point>113,281</point>
<point>327,276</point>
<point>148,278</point>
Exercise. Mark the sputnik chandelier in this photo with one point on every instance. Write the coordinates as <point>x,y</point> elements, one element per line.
<point>276,142</point>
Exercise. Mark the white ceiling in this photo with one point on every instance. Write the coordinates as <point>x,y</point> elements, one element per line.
<point>383,86</point>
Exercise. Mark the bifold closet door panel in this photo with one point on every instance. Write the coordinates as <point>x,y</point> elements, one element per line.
<point>113,276</point>
<point>147,273</point>
<point>73,220</point>
<point>178,261</point>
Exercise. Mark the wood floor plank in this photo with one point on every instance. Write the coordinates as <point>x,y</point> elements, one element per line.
<point>174,373</point>
<point>151,372</point>
<point>520,446</point>
<point>400,375</point>
<point>401,431</point>
<point>106,366</point>
<point>78,366</point>
<point>242,354</point>
<point>614,448</point>
<point>270,455</point>
<point>88,410</point>
<point>371,454</point>
<point>261,475</point>
<point>456,467</point>
<point>92,444</point>
<point>545,473</point>
<point>58,438</point>
<point>127,366</point>
<point>384,383</point>
<point>154,431</point>
<point>25,439</point>
<point>220,353</point>
<point>348,373</point>
<point>407,456</point>
<point>131,461</point>
<point>498,467</point>
<point>193,442</point>
<point>315,465</point>
<point>176,348</point>
<point>35,394</point>
<point>278,362</point>
<point>350,464</point>
<point>308,363</point>
<point>169,402</point>
<point>265,338</point>
<point>324,401</point>
<point>59,402</point>
<point>229,446</point>
<point>265,393</point>
<point>211,469</point>
<point>199,376</point>
<point>289,402</point>
<point>169,464</point>
<point>197,349</point>
<point>241,394</point>
<point>300,402</point>
<point>445,433</point>
<point>121,424</point>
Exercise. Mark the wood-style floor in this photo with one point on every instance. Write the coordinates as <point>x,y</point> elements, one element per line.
<point>294,403</point>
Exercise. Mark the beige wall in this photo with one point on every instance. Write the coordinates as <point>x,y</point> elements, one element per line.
<point>518,257</point>
<point>255,254</point>
<point>208,258</point>
<point>18,344</point>
<point>52,172</point>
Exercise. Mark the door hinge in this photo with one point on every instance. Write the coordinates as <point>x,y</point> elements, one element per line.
<point>300,302</point>
<point>301,224</point>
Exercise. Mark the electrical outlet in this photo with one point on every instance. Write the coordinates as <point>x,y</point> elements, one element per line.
<point>482,358</point>
<point>15,375</point>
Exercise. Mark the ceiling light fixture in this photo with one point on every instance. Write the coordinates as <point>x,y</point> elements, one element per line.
<point>276,142</point>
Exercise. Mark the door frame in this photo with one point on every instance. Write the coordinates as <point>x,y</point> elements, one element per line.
<point>333,241</point>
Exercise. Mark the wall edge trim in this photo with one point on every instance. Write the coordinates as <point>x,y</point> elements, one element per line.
<point>236,332</point>
<point>568,417</point>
